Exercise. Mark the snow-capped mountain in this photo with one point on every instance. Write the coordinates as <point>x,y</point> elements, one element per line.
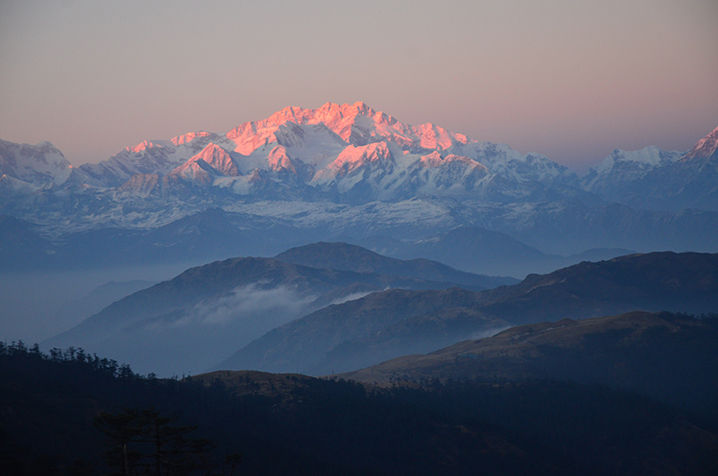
<point>706,148</point>
<point>623,167</point>
<point>337,156</point>
<point>149,157</point>
<point>691,182</point>
<point>656,179</point>
<point>359,154</point>
<point>38,165</point>
<point>349,153</point>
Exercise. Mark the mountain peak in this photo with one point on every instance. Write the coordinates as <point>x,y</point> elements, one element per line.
<point>354,152</point>
<point>218,158</point>
<point>651,155</point>
<point>354,157</point>
<point>705,147</point>
<point>362,106</point>
<point>40,165</point>
<point>144,145</point>
<point>279,160</point>
<point>329,112</point>
<point>189,137</point>
<point>288,114</point>
<point>332,109</point>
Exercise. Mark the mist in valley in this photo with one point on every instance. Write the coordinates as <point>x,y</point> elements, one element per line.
<point>194,339</point>
<point>37,305</point>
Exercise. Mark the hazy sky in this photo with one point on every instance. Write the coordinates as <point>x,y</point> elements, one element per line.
<point>567,78</point>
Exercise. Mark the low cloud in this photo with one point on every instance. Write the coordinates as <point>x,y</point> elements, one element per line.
<point>209,332</point>
<point>350,297</point>
<point>488,333</point>
<point>250,301</point>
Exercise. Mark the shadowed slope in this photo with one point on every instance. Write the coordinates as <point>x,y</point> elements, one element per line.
<point>667,356</point>
<point>393,323</point>
<point>349,257</point>
<point>203,315</point>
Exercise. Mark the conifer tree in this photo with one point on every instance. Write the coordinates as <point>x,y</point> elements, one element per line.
<point>144,442</point>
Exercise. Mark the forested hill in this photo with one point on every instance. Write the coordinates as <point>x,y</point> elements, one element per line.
<point>290,424</point>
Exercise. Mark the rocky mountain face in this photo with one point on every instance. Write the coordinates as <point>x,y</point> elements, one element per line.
<point>661,180</point>
<point>347,153</point>
<point>149,157</point>
<point>691,182</point>
<point>356,154</point>
<point>612,176</point>
<point>26,168</point>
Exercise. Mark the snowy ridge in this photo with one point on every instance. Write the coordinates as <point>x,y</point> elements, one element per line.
<point>348,154</point>
<point>350,151</point>
<point>655,179</point>
<point>211,162</point>
<point>355,124</point>
<point>40,165</point>
<point>149,157</point>
<point>626,166</point>
<point>12,187</point>
<point>704,148</point>
<point>356,151</point>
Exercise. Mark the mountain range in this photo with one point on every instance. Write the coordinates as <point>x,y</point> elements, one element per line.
<point>212,310</point>
<point>350,173</point>
<point>392,323</point>
<point>571,372</point>
<point>656,179</point>
<point>349,153</point>
<point>293,313</point>
<point>354,154</point>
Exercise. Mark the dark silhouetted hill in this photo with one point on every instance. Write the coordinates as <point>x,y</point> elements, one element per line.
<point>349,257</point>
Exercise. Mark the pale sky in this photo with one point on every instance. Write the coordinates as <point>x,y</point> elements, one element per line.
<point>566,78</point>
